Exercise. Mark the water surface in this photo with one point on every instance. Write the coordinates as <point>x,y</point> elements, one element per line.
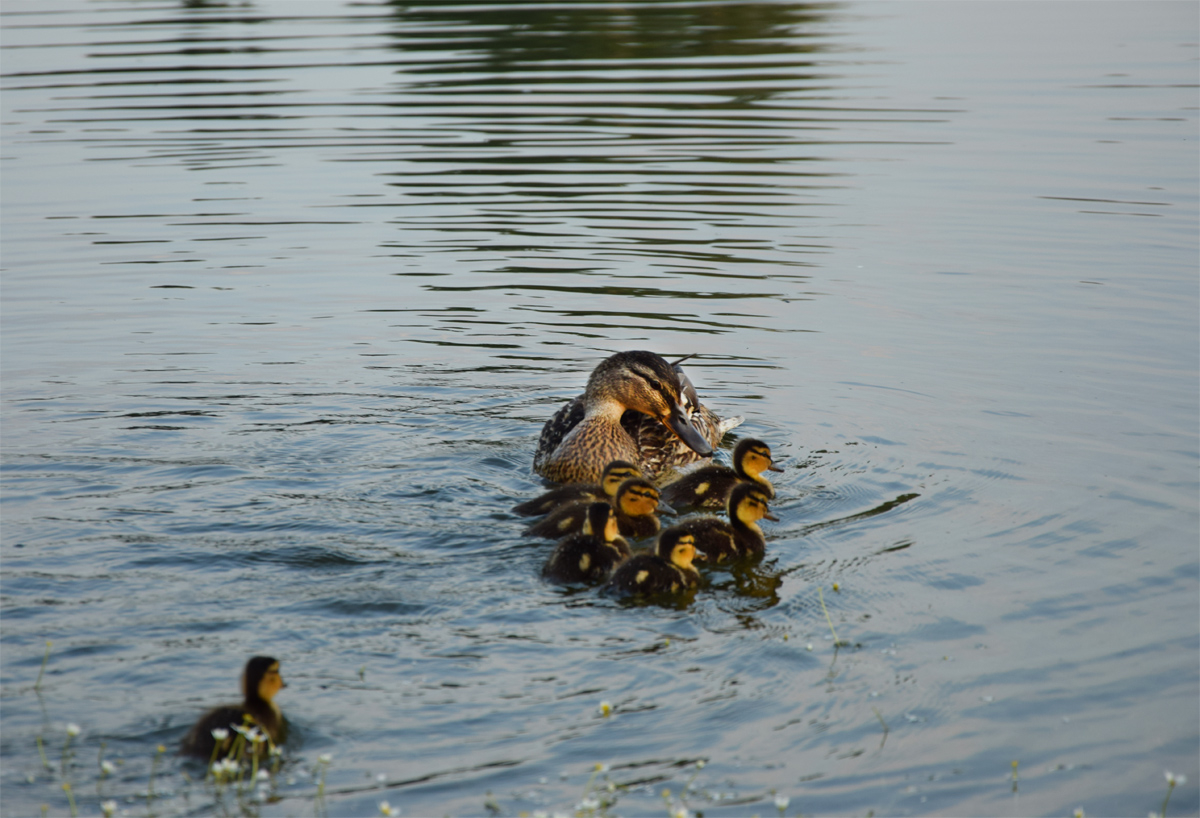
<point>289,290</point>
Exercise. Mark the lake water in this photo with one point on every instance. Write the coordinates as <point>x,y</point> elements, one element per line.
<point>289,289</point>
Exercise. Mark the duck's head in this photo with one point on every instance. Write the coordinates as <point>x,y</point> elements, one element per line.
<point>678,547</point>
<point>261,678</point>
<point>601,521</point>
<point>616,473</point>
<point>753,457</point>
<point>748,503</point>
<point>646,382</point>
<point>637,497</point>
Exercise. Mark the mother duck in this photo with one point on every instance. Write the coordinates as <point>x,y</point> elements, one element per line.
<point>587,433</point>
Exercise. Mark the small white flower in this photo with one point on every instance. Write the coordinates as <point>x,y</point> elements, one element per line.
<point>1172,779</point>
<point>72,729</point>
<point>588,804</point>
<point>325,758</point>
<point>107,768</point>
<point>1079,812</point>
<point>700,764</point>
<point>781,802</point>
<point>601,768</point>
<point>605,708</point>
<point>387,809</point>
<point>263,775</point>
<point>381,779</point>
<point>220,734</point>
<point>108,808</point>
<point>680,812</point>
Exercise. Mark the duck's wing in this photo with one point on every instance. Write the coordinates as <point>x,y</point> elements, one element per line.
<point>569,415</point>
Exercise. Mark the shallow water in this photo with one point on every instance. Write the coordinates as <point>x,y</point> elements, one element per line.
<point>290,288</point>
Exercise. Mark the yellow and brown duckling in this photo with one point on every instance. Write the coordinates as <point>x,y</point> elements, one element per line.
<point>635,506</point>
<point>709,486</point>
<point>591,555</point>
<point>214,735</point>
<point>614,474</point>
<point>586,434</point>
<point>668,570</point>
<point>739,538</point>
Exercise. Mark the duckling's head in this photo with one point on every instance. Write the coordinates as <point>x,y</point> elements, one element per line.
<point>644,381</point>
<point>748,503</point>
<point>601,522</point>
<point>637,497</point>
<point>616,473</point>
<point>754,457</point>
<point>678,546</point>
<point>261,678</point>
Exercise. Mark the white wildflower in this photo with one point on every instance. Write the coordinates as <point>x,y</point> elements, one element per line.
<point>72,729</point>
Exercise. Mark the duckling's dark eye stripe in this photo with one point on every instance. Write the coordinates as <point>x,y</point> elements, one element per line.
<point>643,493</point>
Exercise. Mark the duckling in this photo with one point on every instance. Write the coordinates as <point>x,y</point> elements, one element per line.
<point>635,504</point>
<point>591,555</point>
<point>260,682</point>
<point>722,541</point>
<point>709,486</point>
<point>668,570</point>
<point>614,474</point>
<point>574,447</point>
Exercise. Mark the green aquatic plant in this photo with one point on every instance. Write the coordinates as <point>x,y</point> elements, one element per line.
<point>70,798</point>
<point>45,658</point>
<point>1172,780</point>
<point>821,597</point>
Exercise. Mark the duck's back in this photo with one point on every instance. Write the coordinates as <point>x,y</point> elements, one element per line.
<point>584,558</point>
<point>647,574</point>
<point>714,537</point>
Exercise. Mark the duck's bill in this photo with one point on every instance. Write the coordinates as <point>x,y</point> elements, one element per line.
<point>683,428</point>
<point>768,515</point>
<point>773,467</point>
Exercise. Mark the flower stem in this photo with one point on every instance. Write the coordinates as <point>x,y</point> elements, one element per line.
<point>821,597</point>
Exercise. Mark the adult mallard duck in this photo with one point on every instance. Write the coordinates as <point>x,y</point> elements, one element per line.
<point>739,538</point>
<point>634,506</point>
<point>615,473</point>
<point>709,486</point>
<point>590,555</point>
<point>668,570</point>
<point>260,682</point>
<point>592,430</point>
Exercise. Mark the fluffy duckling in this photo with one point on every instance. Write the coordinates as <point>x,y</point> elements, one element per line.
<point>709,486</point>
<point>586,434</point>
<point>591,555</point>
<point>635,504</point>
<point>722,541</point>
<point>614,474</point>
<point>668,570</point>
<point>260,682</point>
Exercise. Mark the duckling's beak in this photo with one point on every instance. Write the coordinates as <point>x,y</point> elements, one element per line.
<point>663,508</point>
<point>683,428</point>
<point>773,467</point>
<point>769,516</point>
<point>699,556</point>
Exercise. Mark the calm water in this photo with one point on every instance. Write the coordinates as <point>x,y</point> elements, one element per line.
<point>289,288</point>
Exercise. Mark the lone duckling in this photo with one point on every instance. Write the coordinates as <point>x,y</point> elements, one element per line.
<point>260,682</point>
<point>635,504</point>
<point>574,448</point>
<point>709,486</point>
<point>591,555</point>
<point>667,571</point>
<point>741,537</point>
<point>614,474</point>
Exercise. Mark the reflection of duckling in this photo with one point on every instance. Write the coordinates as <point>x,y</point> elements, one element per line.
<point>591,555</point>
<point>668,570</point>
<point>721,541</point>
<point>635,503</point>
<point>575,447</point>
<point>614,474</point>
<point>709,486</point>
<point>260,682</point>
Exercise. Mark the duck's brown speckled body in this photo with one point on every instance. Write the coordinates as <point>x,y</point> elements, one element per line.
<point>591,555</point>
<point>634,506</point>
<point>739,538</point>
<point>668,570</point>
<point>636,407</point>
<point>260,682</point>
<point>614,474</point>
<point>709,486</point>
